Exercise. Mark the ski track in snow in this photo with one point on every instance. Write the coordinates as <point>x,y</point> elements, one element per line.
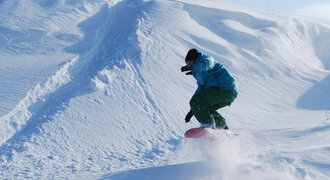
<point>118,44</point>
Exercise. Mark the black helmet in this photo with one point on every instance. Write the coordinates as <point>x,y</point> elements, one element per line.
<point>192,55</point>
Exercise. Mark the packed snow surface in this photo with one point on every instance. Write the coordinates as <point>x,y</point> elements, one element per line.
<point>93,89</point>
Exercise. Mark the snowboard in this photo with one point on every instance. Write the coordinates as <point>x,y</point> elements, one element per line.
<point>208,133</point>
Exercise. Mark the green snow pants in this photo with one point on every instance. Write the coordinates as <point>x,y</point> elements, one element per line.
<point>204,104</point>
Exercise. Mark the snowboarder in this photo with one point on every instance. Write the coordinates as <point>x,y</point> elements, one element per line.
<point>216,89</point>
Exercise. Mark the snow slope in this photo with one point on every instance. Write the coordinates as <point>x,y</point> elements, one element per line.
<point>93,89</point>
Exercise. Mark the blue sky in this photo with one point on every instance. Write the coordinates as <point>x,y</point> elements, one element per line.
<point>314,8</point>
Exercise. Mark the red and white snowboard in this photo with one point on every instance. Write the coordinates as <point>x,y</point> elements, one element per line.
<point>208,133</point>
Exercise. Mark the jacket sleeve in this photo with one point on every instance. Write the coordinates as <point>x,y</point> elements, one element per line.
<point>198,75</point>
<point>204,64</point>
<point>199,88</point>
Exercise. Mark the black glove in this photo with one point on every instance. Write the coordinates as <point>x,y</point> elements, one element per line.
<point>189,116</point>
<point>186,68</point>
<point>189,73</point>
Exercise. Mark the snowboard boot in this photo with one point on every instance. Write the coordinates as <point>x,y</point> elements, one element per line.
<point>209,125</point>
<point>225,127</point>
<point>203,126</point>
<point>220,122</point>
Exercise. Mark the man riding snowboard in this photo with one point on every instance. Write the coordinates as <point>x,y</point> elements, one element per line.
<point>216,89</point>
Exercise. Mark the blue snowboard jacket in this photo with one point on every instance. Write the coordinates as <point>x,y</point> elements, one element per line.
<point>210,73</point>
